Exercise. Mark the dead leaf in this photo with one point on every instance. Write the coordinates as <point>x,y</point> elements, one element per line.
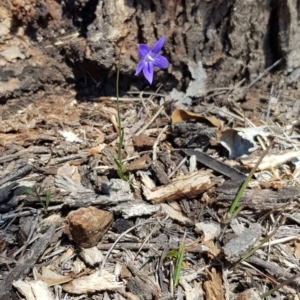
<point>96,150</point>
<point>179,115</point>
<point>143,141</point>
<point>215,251</point>
<point>139,163</point>
<point>52,278</point>
<point>241,141</point>
<point>297,249</point>
<point>235,144</point>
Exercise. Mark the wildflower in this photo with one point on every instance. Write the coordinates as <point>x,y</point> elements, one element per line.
<point>151,58</point>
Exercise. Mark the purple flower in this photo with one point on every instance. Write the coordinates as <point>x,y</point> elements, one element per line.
<point>150,59</point>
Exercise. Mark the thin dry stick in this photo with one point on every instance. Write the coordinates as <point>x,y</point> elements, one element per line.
<point>121,99</point>
<point>129,246</point>
<point>245,263</point>
<point>36,237</point>
<point>234,88</point>
<point>32,229</point>
<point>269,104</point>
<point>154,117</point>
<point>285,134</point>
<point>267,238</point>
<point>117,240</point>
<point>276,288</point>
<point>218,89</point>
<point>178,167</point>
<point>265,72</point>
<point>273,268</point>
<point>225,273</point>
<point>126,99</point>
<point>157,142</point>
<point>252,125</point>
<point>148,93</point>
<point>230,114</point>
<point>145,241</point>
<point>281,241</point>
<point>243,119</point>
<point>171,279</point>
<point>64,40</point>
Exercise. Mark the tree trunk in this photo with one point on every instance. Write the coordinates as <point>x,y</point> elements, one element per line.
<point>48,44</point>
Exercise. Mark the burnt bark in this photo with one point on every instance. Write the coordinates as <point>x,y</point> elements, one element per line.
<point>56,44</point>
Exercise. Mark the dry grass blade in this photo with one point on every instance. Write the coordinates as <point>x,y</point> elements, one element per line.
<point>117,240</point>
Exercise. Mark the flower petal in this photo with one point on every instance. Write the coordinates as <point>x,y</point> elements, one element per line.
<point>158,45</point>
<point>140,67</point>
<point>143,50</point>
<point>160,61</point>
<point>148,72</point>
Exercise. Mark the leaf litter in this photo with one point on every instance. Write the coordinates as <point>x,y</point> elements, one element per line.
<point>110,239</point>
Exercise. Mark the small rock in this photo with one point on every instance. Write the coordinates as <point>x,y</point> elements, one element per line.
<point>210,230</point>
<point>238,246</point>
<point>87,226</point>
<point>91,256</point>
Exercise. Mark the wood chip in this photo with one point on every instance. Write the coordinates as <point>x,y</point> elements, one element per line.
<point>271,161</point>
<point>213,288</point>
<point>175,214</point>
<point>187,186</point>
<point>135,208</point>
<point>27,262</point>
<point>34,290</point>
<point>93,283</point>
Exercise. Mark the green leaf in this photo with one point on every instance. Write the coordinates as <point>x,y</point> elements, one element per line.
<point>247,180</point>
<point>172,253</point>
<point>48,199</point>
<point>178,264</point>
<point>29,191</point>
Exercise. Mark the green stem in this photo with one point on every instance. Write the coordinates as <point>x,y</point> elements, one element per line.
<point>119,112</point>
<point>276,288</point>
<point>121,130</point>
<point>266,239</point>
<point>247,180</point>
